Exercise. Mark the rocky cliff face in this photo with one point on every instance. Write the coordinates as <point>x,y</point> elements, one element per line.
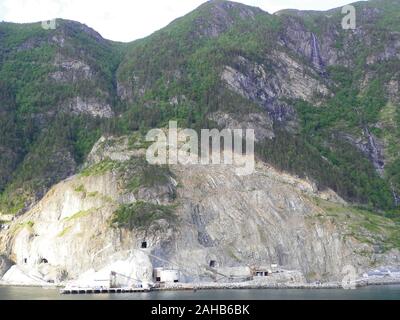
<point>236,221</point>
<point>287,79</point>
<point>324,104</point>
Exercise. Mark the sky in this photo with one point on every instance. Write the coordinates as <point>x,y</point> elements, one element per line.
<point>127,20</point>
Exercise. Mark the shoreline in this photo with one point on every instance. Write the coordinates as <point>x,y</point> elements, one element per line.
<point>360,283</point>
<point>251,285</point>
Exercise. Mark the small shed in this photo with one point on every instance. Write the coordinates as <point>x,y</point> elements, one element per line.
<point>261,272</point>
<point>166,275</point>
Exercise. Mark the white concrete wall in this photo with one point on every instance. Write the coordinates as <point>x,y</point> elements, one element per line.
<point>169,275</point>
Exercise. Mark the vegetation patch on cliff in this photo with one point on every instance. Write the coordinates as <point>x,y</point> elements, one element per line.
<point>141,215</point>
<point>64,231</point>
<point>363,225</point>
<point>137,172</point>
<point>100,168</point>
<point>137,141</point>
<point>80,214</point>
<point>23,225</point>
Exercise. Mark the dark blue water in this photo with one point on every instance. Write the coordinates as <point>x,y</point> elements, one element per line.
<point>387,292</point>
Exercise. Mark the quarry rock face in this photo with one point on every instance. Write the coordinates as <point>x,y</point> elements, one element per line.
<point>5,265</point>
<point>74,207</point>
<point>222,219</point>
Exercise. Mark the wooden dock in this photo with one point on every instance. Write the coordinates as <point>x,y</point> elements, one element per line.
<point>74,290</point>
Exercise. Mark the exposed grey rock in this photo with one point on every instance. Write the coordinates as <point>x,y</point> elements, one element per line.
<point>260,123</point>
<point>5,265</point>
<point>30,44</point>
<point>287,79</point>
<point>122,91</point>
<point>319,51</point>
<point>268,217</point>
<point>132,88</point>
<point>203,237</point>
<point>393,89</point>
<point>371,146</point>
<point>70,70</point>
<point>111,148</point>
<point>90,106</point>
<point>390,50</point>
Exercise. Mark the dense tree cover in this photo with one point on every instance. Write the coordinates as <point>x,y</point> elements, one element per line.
<point>340,167</point>
<point>41,141</point>
<point>175,74</point>
<point>350,111</point>
<point>54,155</point>
<point>319,151</point>
<point>141,215</point>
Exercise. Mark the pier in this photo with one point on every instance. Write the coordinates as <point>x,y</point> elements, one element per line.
<point>74,290</point>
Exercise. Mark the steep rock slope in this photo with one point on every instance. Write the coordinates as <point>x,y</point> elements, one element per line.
<point>195,215</point>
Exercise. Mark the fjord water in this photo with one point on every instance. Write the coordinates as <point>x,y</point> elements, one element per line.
<point>387,292</point>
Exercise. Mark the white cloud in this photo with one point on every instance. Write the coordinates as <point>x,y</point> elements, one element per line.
<point>126,20</point>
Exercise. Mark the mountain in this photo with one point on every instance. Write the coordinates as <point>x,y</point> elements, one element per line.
<point>325,91</point>
<point>56,87</point>
<point>323,101</point>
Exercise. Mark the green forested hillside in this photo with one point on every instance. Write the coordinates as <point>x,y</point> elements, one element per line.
<point>344,137</point>
<point>41,141</point>
<point>187,47</point>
